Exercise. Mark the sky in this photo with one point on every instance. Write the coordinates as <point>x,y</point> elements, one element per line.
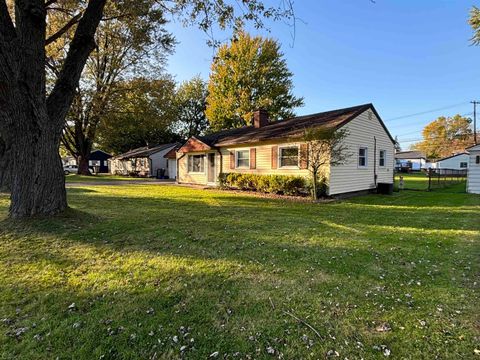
<point>406,57</point>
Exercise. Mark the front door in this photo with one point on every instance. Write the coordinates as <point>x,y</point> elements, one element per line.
<point>211,168</point>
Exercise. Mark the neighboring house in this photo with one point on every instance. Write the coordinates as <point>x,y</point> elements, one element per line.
<point>99,158</point>
<point>455,162</point>
<point>275,148</point>
<point>171,157</point>
<point>144,161</point>
<point>473,177</point>
<point>413,160</point>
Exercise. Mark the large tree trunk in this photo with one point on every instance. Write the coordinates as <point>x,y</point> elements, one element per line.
<point>38,182</point>
<point>5,162</point>
<point>83,167</point>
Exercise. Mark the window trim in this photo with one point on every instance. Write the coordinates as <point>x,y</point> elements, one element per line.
<point>366,157</point>
<point>188,164</point>
<point>279,156</point>
<point>380,158</point>
<point>236,158</point>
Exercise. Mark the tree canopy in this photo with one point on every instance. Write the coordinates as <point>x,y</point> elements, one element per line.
<point>445,136</point>
<point>248,74</point>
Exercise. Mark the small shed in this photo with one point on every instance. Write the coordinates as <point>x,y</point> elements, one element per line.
<point>99,158</point>
<point>473,177</point>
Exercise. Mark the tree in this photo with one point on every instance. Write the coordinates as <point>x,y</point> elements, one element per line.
<point>142,113</point>
<point>445,136</point>
<point>396,145</point>
<point>325,147</point>
<point>249,74</point>
<point>125,47</point>
<point>191,102</point>
<point>33,111</point>
<point>474,22</point>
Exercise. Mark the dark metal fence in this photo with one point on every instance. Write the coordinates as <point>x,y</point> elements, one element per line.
<point>439,178</point>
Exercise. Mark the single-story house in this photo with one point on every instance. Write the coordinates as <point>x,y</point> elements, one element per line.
<point>145,161</point>
<point>276,147</point>
<point>97,158</point>
<point>473,177</point>
<point>455,162</point>
<point>413,160</point>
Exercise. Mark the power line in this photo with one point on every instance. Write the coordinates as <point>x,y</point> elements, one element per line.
<point>417,131</point>
<point>428,111</point>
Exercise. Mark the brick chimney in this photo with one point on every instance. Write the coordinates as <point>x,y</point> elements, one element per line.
<point>260,118</point>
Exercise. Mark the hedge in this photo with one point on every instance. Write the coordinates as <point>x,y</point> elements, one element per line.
<point>273,184</point>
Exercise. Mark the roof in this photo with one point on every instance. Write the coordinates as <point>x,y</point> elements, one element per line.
<point>474,147</point>
<point>143,152</point>
<point>290,128</point>
<point>404,155</point>
<point>452,156</point>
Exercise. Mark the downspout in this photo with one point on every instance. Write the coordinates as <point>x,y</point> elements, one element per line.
<point>375,161</point>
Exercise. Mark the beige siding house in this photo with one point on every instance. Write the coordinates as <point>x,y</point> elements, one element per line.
<point>473,177</point>
<point>276,148</point>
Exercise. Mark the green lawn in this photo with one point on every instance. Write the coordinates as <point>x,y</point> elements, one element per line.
<point>419,181</point>
<point>73,178</point>
<point>167,272</point>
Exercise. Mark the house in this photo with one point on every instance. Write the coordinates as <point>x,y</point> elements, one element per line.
<point>473,177</point>
<point>412,160</point>
<point>275,148</point>
<point>171,157</point>
<point>97,158</point>
<point>455,162</point>
<point>144,161</point>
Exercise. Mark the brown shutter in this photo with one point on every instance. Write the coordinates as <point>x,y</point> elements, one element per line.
<point>274,156</point>
<point>232,160</point>
<point>303,156</point>
<point>253,158</point>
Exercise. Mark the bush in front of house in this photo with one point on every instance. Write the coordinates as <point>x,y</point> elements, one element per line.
<point>273,184</point>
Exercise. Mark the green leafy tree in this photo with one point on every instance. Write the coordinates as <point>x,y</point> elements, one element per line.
<point>191,100</point>
<point>445,136</point>
<point>325,147</point>
<point>247,74</point>
<point>474,22</point>
<point>142,113</point>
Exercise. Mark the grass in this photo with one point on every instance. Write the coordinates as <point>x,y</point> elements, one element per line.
<point>419,181</point>
<point>166,272</point>
<point>74,178</point>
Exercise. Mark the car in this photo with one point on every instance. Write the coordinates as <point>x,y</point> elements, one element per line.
<point>70,169</point>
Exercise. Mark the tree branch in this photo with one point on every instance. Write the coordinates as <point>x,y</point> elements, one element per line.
<point>81,46</point>
<point>74,20</point>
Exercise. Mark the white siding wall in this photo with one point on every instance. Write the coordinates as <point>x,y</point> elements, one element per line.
<point>158,161</point>
<point>473,180</point>
<point>172,168</point>
<point>350,177</point>
<point>453,162</point>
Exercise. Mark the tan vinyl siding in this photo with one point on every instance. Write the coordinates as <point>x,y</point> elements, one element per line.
<point>473,180</point>
<point>263,163</point>
<point>350,177</point>
<point>128,166</point>
<point>186,177</point>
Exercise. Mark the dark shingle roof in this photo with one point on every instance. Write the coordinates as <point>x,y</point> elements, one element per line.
<point>403,155</point>
<point>290,128</point>
<point>143,151</point>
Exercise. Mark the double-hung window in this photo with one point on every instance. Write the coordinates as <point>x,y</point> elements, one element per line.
<point>463,165</point>
<point>362,157</point>
<point>289,156</point>
<point>382,160</point>
<point>196,163</point>
<point>242,159</point>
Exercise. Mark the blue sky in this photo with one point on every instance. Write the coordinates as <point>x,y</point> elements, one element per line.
<point>405,57</point>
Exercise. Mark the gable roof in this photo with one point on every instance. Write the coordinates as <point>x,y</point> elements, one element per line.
<point>452,156</point>
<point>291,128</point>
<point>474,148</point>
<point>143,152</point>
<point>404,155</point>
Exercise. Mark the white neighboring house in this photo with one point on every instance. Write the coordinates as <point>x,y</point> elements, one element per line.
<point>415,160</point>
<point>455,162</point>
<point>473,177</point>
<point>144,161</point>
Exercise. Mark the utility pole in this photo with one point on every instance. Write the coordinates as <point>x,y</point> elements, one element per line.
<point>475,120</point>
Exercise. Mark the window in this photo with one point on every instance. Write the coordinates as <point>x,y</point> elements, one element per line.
<point>242,158</point>
<point>94,162</point>
<point>196,163</point>
<point>477,160</point>
<point>288,156</point>
<point>463,165</point>
<point>362,157</point>
<point>383,158</point>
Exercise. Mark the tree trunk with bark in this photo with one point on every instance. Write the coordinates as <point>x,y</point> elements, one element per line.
<point>4,166</point>
<point>32,121</point>
<point>83,165</point>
